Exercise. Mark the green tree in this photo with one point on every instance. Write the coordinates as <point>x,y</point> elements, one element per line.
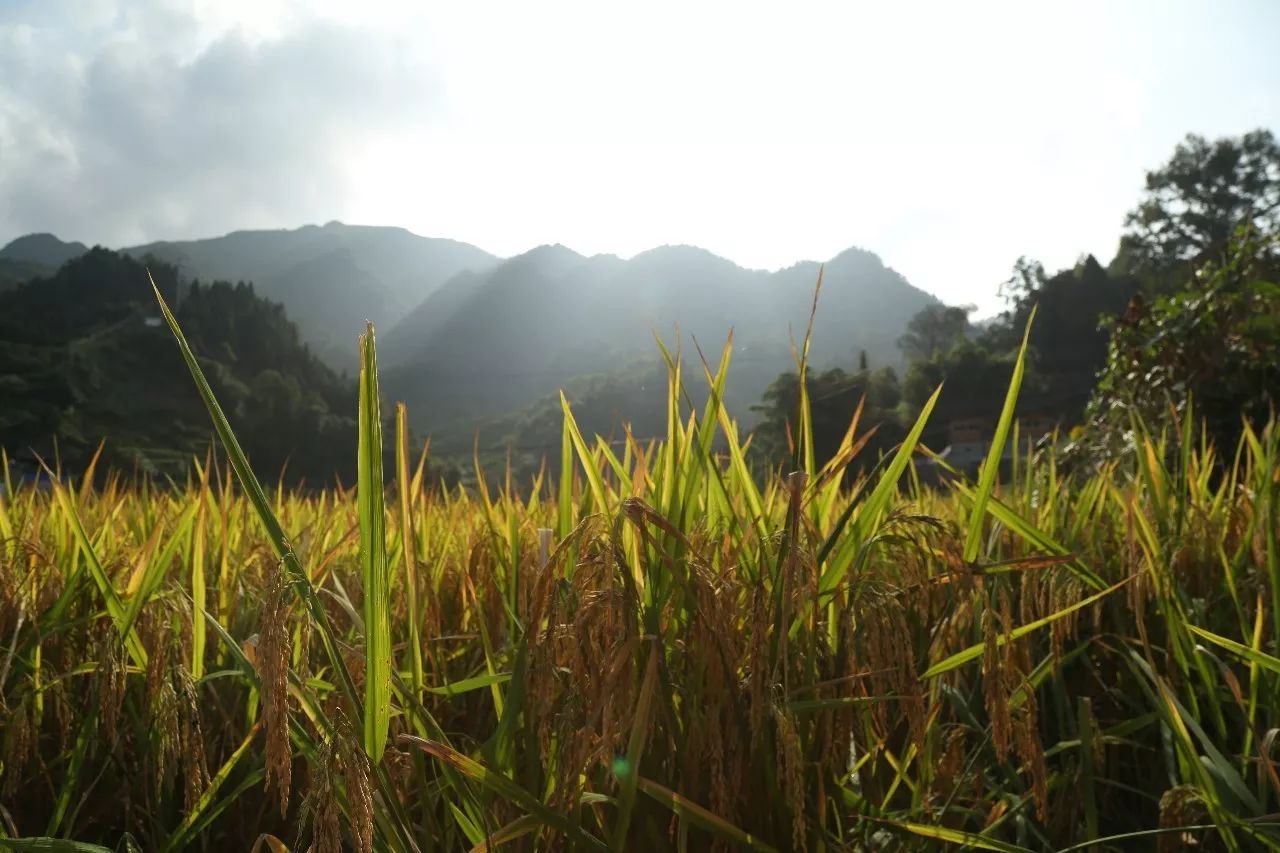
<point>1194,203</point>
<point>1025,281</point>
<point>1213,346</point>
<point>974,378</point>
<point>934,330</point>
<point>1069,337</point>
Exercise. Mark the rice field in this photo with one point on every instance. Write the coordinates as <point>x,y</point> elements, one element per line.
<point>652,647</point>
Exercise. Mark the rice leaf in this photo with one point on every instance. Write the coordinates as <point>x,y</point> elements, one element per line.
<point>975,651</point>
<point>466,685</point>
<point>119,614</point>
<point>686,809</point>
<point>987,478</point>
<point>374,573</point>
<point>957,836</point>
<point>505,788</point>
<point>406,488</point>
<point>50,845</point>
<point>1252,655</point>
<point>183,835</point>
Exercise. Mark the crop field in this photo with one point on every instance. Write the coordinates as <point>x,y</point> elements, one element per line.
<point>651,647</point>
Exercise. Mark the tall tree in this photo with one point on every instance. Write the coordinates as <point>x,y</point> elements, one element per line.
<point>1196,202</point>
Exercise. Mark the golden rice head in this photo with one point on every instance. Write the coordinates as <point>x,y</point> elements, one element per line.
<point>195,772</point>
<point>791,762</point>
<point>110,676</point>
<point>1180,806</point>
<point>995,618</point>
<point>715,756</point>
<point>273,653</point>
<point>321,807</point>
<point>355,771</point>
<point>19,744</point>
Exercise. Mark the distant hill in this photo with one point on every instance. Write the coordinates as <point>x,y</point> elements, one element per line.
<point>34,255</point>
<point>467,339</point>
<point>42,249</point>
<point>330,278</point>
<point>84,357</point>
<point>492,342</point>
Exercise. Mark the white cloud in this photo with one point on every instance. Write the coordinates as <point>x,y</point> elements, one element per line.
<point>151,128</point>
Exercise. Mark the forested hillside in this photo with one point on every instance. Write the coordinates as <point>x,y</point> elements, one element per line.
<point>84,359</point>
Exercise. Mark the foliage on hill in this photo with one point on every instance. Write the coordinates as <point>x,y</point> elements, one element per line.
<point>82,358</point>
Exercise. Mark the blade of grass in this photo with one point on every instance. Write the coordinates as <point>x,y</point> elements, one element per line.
<point>50,845</point>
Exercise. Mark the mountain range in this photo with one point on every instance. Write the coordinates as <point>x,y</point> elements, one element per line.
<point>330,278</point>
<point>470,336</point>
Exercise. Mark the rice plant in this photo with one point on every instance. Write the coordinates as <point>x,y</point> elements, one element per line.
<point>656,648</point>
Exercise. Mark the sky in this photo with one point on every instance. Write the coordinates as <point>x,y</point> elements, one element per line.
<point>948,138</point>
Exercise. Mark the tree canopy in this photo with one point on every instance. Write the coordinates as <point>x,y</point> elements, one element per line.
<point>1200,198</point>
<point>934,330</point>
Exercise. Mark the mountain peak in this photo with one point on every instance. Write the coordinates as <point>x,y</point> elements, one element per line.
<point>42,248</point>
<point>685,255</point>
<point>857,255</point>
<point>550,250</point>
<point>551,258</point>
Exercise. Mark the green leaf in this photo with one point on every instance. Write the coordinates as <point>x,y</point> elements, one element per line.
<point>50,845</point>
<point>957,836</point>
<point>183,834</point>
<point>975,651</point>
<point>598,492</point>
<point>505,788</point>
<point>629,773</point>
<point>115,608</point>
<point>686,809</point>
<point>987,479</point>
<point>1249,653</point>
<point>466,685</point>
<point>406,488</point>
<point>374,572</point>
<point>869,511</point>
